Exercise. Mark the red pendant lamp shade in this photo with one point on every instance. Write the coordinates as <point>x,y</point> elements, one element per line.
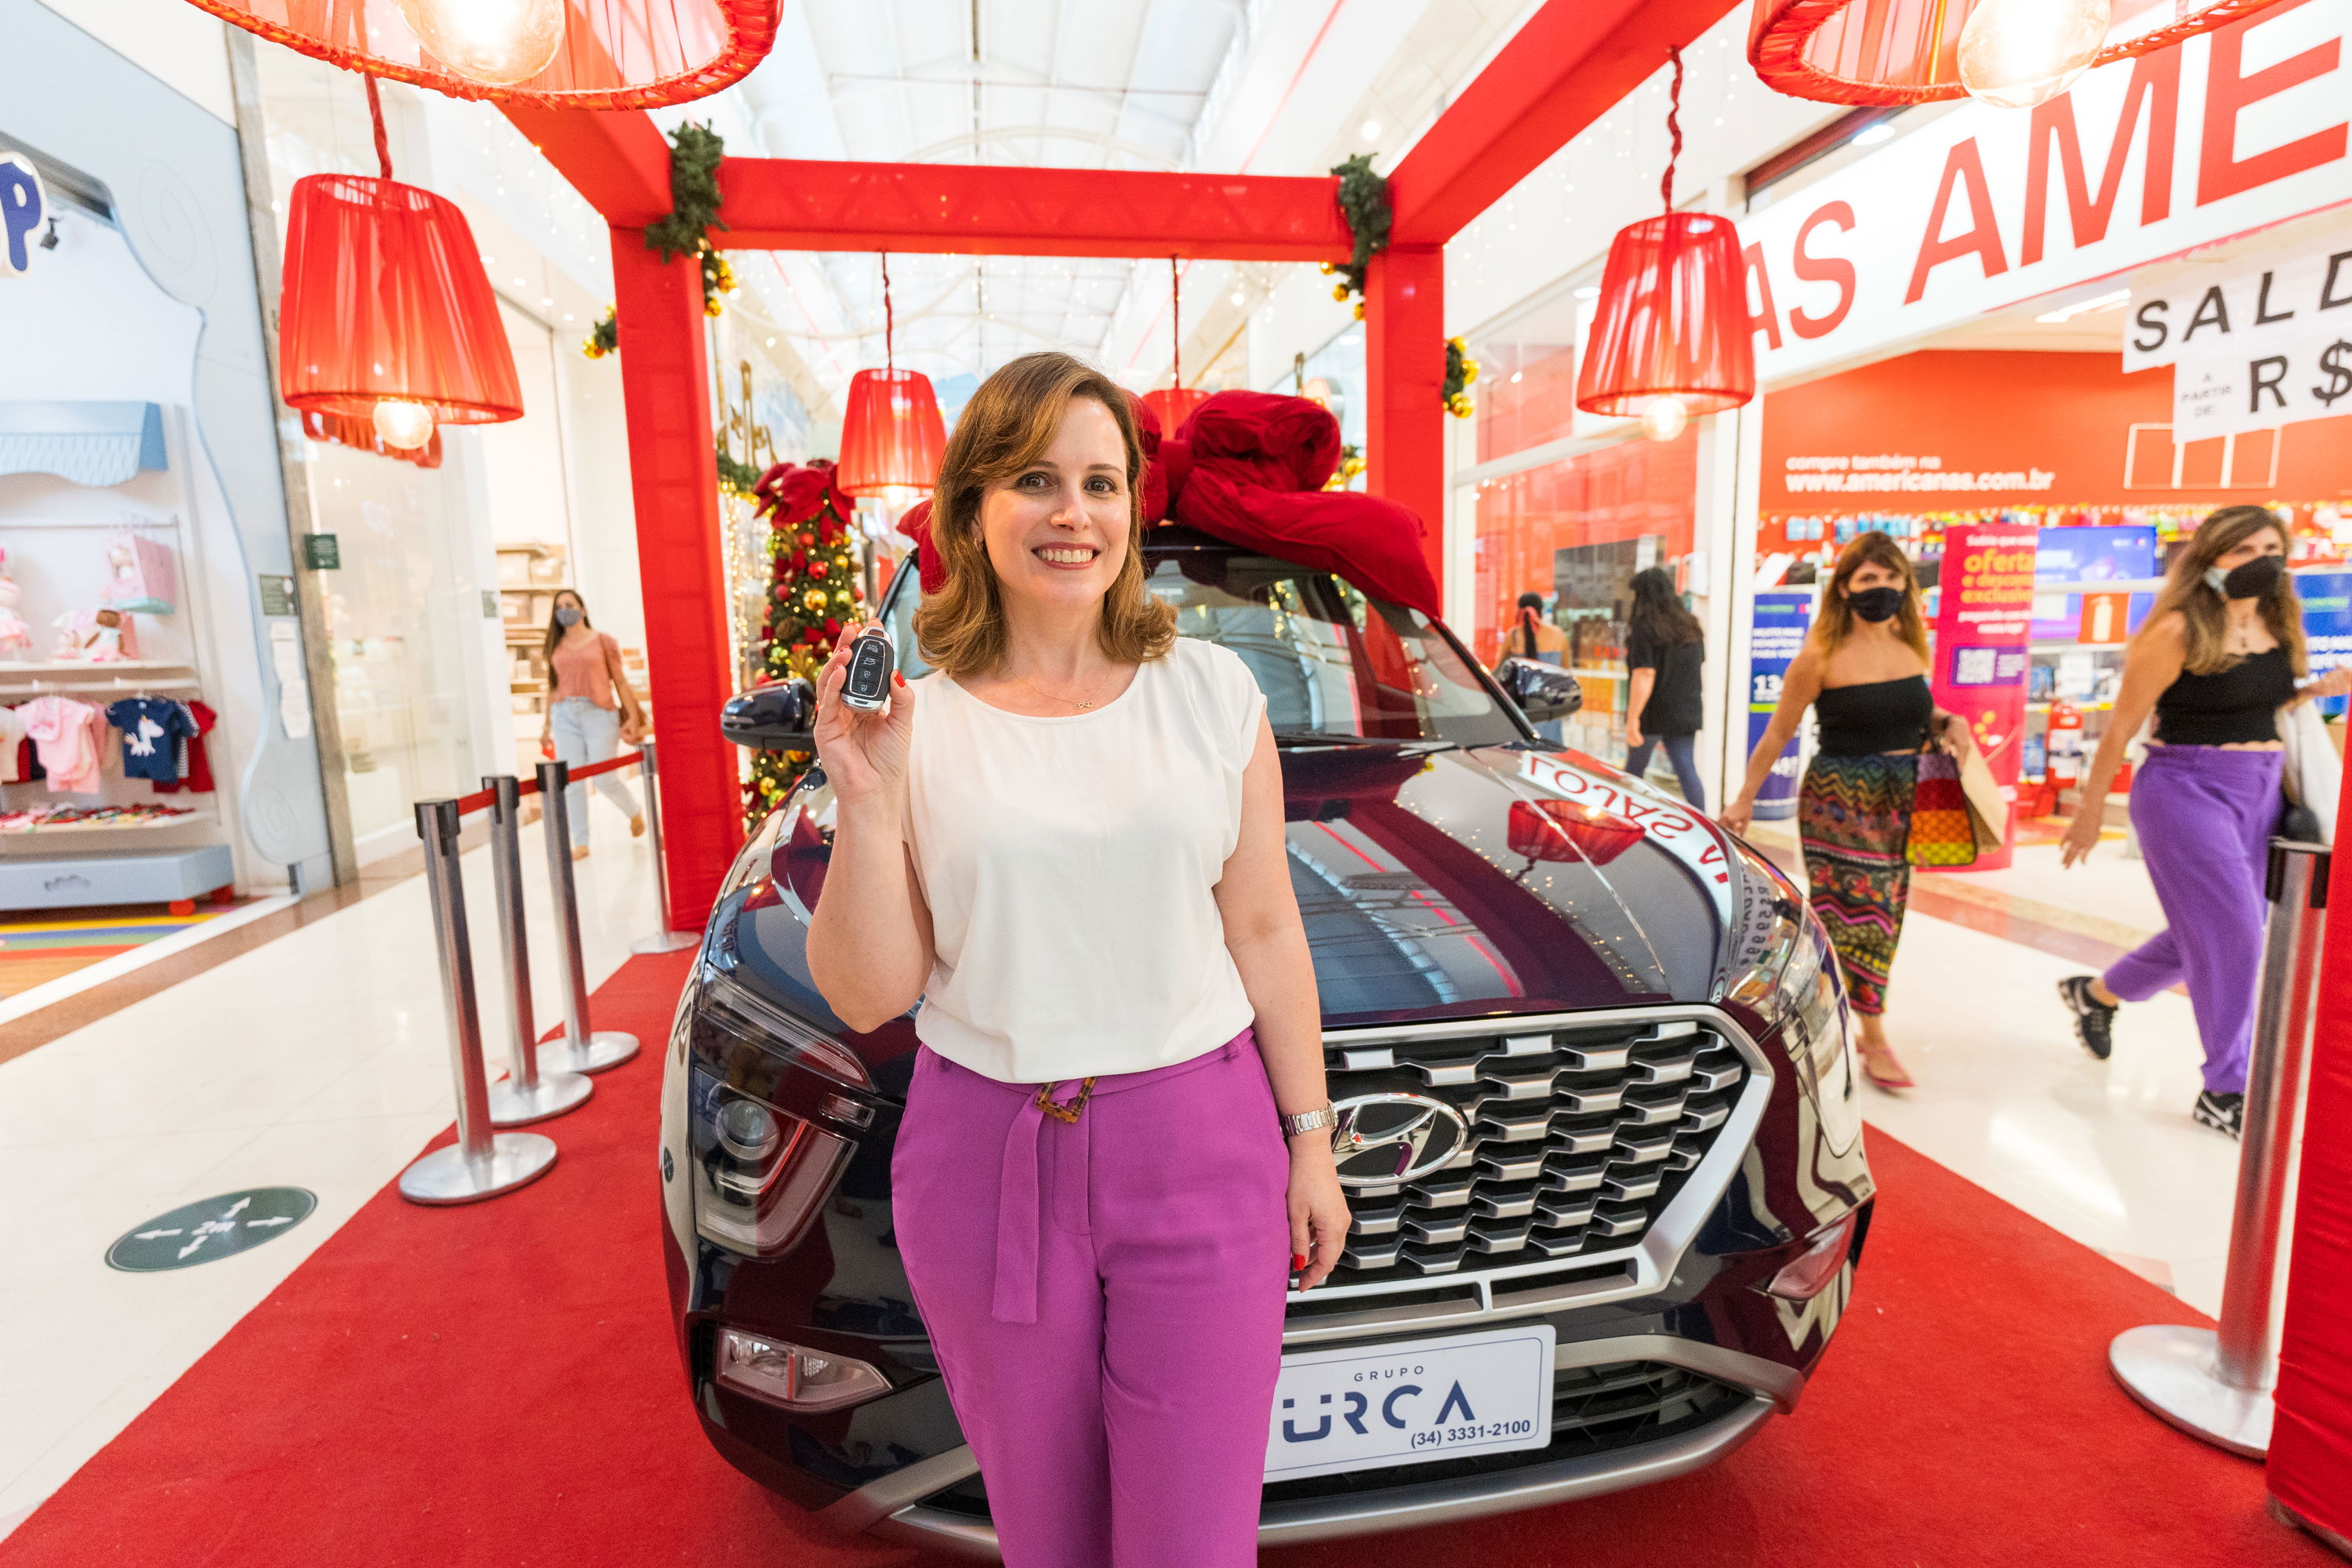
<point>1672,321</point>
<point>1672,337</point>
<point>557,54</point>
<point>384,298</point>
<point>1908,52</point>
<point>891,435</point>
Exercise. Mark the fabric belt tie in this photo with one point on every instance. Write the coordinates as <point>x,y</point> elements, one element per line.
<point>1017,1189</point>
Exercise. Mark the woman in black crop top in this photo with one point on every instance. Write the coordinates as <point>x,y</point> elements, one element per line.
<point>1864,671</point>
<point>2221,652</point>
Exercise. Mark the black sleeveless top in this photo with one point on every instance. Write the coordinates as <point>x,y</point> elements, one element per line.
<point>2228,706</point>
<point>1875,716</point>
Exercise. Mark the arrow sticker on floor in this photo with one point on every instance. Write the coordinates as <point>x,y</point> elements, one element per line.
<point>213,1228</point>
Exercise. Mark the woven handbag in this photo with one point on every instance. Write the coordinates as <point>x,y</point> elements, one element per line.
<point>1941,831</point>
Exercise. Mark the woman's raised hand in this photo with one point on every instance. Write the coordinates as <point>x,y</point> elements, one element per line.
<point>864,755</point>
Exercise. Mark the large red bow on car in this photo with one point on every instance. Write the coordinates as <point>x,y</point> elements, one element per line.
<point>1248,467</point>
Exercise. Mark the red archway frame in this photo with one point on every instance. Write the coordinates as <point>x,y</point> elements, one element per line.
<point>1567,66</point>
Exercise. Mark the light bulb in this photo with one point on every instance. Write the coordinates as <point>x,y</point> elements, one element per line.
<point>401,424</point>
<point>1664,418</point>
<point>496,42</point>
<point>2015,54</point>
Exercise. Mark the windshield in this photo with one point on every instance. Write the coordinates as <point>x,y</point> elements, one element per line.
<point>1334,665</point>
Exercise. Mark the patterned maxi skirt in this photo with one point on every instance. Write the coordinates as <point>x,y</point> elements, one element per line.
<point>1853,816</point>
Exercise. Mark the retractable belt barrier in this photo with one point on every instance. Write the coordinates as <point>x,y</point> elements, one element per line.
<point>2216,1383</point>
<point>541,1082</point>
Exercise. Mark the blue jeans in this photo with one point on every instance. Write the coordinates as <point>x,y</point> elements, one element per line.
<point>586,733</point>
<point>1680,754</point>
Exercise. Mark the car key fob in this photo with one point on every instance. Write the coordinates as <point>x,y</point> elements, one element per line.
<point>871,663</point>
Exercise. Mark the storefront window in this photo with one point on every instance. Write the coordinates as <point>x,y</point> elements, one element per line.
<point>1526,390</point>
<point>1576,532</point>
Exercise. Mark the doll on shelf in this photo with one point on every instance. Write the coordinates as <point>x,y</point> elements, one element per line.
<point>97,637</point>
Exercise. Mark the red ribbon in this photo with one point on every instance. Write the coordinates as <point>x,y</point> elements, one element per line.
<point>1248,467</point>
<point>791,493</point>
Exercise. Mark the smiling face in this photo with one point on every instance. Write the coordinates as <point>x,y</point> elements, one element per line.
<point>1057,530</point>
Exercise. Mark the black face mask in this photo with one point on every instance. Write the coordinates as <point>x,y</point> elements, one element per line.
<point>1875,605</point>
<point>2254,580</point>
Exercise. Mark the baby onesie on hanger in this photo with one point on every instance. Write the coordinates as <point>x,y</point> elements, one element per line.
<point>152,727</point>
<point>69,734</point>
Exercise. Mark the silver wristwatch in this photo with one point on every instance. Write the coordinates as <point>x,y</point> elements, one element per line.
<point>1309,1122</point>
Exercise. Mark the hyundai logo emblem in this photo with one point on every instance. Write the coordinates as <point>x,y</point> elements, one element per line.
<point>1383,1138</point>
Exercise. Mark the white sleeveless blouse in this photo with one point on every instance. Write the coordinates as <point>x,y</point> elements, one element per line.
<point>1070,866</point>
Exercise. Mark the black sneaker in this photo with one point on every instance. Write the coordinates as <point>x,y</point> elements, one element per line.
<point>2094,1021</point>
<point>2221,1113</point>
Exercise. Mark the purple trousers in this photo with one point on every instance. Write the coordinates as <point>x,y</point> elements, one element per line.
<point>1104,1298</point>
<point>2205,817</point>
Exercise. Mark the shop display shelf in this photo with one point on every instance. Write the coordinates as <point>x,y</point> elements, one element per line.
<point>144,826</point>
<point>9,670</point>
<point>99,876</point>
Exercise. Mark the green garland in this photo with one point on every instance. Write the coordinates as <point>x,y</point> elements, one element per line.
<point>695,153</point>
<point>735,479</point>
<point>1461,370</point>
<point>1364,205</point>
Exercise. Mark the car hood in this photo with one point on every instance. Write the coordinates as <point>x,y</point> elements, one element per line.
<point>1434,883</point>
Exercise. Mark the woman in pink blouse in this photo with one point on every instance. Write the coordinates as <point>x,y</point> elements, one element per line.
<point>589,707</point>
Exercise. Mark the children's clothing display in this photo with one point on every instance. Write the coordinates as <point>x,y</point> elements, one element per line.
<point>12,746</point>
<point>71,740</point>
<point>196,770</point>
<point>152,731</point>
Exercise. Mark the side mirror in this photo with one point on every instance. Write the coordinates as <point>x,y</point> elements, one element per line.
<point>778,718</point>
<point>1542,691</point>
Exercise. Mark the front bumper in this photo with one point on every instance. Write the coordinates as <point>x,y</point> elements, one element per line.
<point>899,1507</point>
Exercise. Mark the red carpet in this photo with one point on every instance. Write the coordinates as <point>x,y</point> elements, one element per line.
<point>497,1385</point>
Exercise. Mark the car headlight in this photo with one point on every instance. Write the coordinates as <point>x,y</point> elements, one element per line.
<point>734,1009</point>
<point>1787,971</point>
<point>759,1174</point>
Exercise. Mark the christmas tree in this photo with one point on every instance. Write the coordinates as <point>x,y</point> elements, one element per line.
<point>812,597</point>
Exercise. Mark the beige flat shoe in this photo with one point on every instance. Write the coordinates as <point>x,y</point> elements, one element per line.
<point>580,851</point>
<point>637,825</point>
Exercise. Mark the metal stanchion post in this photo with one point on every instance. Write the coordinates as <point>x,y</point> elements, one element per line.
<point>527,1095</point>
<point>2215,1383</point>
<point>481,1164</point>
<point>664,940</point>
<point>580,1050</point>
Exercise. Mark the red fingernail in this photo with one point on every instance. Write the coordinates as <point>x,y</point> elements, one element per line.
<point>1298,1261</point>
<point>899,677</point>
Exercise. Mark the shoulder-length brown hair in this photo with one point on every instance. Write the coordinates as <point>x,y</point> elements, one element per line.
<point>2203,608</point>
<point>1007,425</point>
<point>1835,623</point>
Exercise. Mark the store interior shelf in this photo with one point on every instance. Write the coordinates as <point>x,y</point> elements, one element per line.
<point>9,670</point>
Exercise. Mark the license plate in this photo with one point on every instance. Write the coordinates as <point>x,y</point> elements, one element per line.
<point>1358,1408</point>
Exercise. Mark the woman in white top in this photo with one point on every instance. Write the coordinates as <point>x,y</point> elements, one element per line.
<point>1067,845</point>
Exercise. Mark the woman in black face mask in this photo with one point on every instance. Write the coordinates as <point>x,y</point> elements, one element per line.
<point>2221,653</point>
<point>1865,669</point>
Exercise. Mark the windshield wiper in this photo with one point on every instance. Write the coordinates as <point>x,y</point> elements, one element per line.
<point>1320,738</point>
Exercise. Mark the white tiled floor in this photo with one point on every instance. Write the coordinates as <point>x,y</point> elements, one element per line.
<point>317,1060</point>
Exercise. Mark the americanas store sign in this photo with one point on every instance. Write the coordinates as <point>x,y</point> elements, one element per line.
<point>23,206</point>
<point>1985,207</point>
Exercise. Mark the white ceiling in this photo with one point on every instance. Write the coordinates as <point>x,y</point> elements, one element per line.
<point>1285,87</point>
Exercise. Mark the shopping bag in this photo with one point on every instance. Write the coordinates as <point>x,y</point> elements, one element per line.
<point>1941,831</point>
<point>1987,807</point>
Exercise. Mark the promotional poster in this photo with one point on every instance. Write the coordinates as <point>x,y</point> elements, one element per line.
<point>1983,628</point>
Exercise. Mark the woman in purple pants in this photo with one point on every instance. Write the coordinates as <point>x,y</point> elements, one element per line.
<point>1067,844</point>
<point>2221,653</point>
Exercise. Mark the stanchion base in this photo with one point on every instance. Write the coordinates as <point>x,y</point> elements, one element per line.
<point>446,1176</point>
<point>606,1049</point>
<point>2169,1368</point>
<point>2340,1545</point>
<point>512,1105</point>
<point>665,942</point>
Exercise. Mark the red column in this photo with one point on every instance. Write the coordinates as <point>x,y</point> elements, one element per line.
<point>665,386</point>
<point>1404,358</point>
<point>2310,1467</point>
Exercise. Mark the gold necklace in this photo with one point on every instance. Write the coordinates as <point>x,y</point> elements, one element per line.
<point>1050,697</point>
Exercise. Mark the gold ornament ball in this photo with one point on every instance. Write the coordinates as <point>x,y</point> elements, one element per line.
<point>1338,290</point>
<point>1360,309</point>
<point>710,307</point>
<point>813,600</point>
<point>1327,269</point>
